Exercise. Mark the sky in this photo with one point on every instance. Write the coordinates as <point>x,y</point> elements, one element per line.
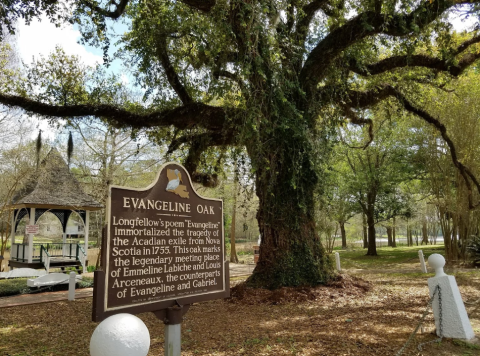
<point>40,39</point>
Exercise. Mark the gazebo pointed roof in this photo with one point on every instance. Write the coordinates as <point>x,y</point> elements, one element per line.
<point>53,186</point>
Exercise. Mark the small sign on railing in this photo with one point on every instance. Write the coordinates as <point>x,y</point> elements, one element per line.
<point>32,229</point>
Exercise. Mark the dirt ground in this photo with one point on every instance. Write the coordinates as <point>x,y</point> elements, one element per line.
<point>361,314</point>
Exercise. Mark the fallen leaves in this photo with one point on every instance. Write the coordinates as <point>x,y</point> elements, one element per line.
<point>368,314</point>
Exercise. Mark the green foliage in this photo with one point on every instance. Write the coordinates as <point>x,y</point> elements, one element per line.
<point>474,249</point>
<point>274,79</point>
<point>13,286</point>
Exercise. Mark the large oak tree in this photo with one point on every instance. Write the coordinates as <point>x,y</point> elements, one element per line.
<point>269,75</point>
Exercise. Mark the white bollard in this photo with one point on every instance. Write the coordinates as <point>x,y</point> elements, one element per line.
<point>455,323</point>
<point>423,266</point>
<point>337,261</point>
<point>71,286</point>
<point>120,335</point>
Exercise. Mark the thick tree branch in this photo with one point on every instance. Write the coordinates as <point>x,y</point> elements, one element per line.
<point>115,14</point>
<point>367,24</point>
<point>370,98</point>
<point>309,12</point>
<point>364,99</point>
<point>421,60</point>
<point>202,5</point>
<point>187,116</point>
<point>229,75</point>
<point>354,119</point>
<point>172,75</point>
<point>198,143</point>
<point>465,172</point>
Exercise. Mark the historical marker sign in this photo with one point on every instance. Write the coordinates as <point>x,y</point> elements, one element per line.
<point>164,246</point>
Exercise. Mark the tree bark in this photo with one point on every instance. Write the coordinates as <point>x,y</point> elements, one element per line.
<point>424,233</point>
<point>372,243</point>
<point>291,253</point>
<point>389,236</point>
<point>344,234</point>
<point>409,235</point>
<point>394,233</point>
<point>233,250</point>
<point>364,229</point>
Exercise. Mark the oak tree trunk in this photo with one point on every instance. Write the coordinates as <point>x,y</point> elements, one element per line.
<point>389,236</point>
<point>291,253</point>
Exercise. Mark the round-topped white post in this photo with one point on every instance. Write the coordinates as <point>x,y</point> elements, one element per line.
<point>120,335</point>
<point>423,266</point>
<point>337,262</point>
<point>452,320</point>
<point>437,262</point>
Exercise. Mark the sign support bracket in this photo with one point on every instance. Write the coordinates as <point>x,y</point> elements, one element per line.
<point>172,318</point>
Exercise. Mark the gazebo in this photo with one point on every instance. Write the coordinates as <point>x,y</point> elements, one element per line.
<point>51,188</point>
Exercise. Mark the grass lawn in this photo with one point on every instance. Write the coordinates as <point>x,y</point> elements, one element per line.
<point>371,310</point>
<point>388,257</point>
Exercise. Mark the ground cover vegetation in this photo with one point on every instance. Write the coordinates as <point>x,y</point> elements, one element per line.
<point>272,78</point>
<point>370,310</point>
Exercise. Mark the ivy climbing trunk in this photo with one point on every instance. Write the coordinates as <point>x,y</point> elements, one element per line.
<point>290,251</point>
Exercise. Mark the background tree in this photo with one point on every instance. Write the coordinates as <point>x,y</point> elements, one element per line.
<point>457,108</point>
<point>285,71</point>
<point>378,170</point>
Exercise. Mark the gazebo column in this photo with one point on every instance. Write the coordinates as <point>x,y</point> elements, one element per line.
<point>30,236</point>
<point>64,240</point>
<point>12,229</point>
<point>87,224</point>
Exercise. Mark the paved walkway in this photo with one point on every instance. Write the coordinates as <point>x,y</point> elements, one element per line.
<point>236,270</point>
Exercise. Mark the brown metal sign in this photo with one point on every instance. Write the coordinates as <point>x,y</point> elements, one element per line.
<point>164,246</point>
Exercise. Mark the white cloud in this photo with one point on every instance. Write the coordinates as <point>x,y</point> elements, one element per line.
<point>41,37</point>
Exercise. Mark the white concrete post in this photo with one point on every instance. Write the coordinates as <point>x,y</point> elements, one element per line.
<point>173,340</point>
<point>337,261</point>
<point>30,236</point>
<point>71,286</point>
<point>423,266</point>
<point>120,335</point>
<point>86,230</point>
<point>455,323</point>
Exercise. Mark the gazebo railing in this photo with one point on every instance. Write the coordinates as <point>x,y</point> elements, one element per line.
<point>45,257</point>
<point>19,252</point>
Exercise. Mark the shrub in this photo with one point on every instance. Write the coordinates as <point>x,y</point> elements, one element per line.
<point>13,286</point>
<point>474,249</point>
